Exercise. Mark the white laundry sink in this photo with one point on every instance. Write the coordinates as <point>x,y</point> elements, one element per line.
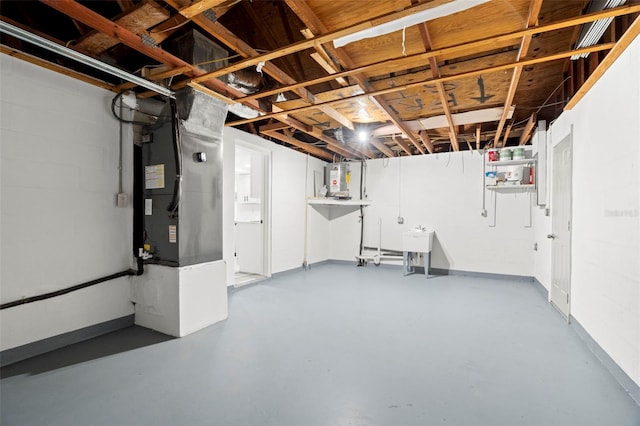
<point>417,240</point>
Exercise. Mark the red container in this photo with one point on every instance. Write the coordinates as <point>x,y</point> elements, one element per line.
<point>492,155</point>
<point>531,176</point>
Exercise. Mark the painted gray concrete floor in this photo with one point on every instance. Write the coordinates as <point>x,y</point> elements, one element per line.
<point>336,345</point>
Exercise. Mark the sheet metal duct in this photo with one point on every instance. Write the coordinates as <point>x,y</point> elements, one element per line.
<point>197,49</point>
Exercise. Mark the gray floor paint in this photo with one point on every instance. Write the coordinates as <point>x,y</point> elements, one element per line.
<point>335,345</point>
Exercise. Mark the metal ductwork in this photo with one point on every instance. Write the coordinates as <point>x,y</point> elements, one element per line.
<point>247,80</point>
<point>199,50</point>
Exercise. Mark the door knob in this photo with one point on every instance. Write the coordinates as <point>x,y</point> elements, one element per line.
<point>551,236</point>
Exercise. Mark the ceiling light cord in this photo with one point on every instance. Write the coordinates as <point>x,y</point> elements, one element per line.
<point>175,27</point>
<point>554,91</point>
<point>544,104</point>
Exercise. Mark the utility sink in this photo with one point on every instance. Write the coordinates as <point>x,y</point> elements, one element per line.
<point>417,240</point>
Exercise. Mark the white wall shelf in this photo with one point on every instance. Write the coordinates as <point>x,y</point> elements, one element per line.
<point>334,202</point>
<point>520,188</point>
<point>511,162</point>
<point>501,166</point>
<point>527,187</point>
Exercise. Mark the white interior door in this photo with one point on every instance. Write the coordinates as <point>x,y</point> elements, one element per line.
<point>250,211</point>
<point>561,227</point>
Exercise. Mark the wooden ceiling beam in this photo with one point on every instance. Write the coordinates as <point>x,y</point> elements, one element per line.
<point>414,60</point>
<point>469,145</point>
<point>393,116</point>
<point>478,133</point>
<point>405,146</point>
<point>487,42</point>
<point>221,33</point>
<point>382,147</point>
<point>162,31</point>
<point>339,117</point>
<point>329,36</point>
<point>332,144</point>
<point>435,72</point>
<point>289,139</point>
<point>328,67</point>
<point>399,63</point>
<point>426,140</point>
<point>506,134</point>
<point>528,129</point>
<point>532,20</point>
<point>155,75</point>
<point>199,6</point>
<point>96,21</point>
<point>418,84</point>
<point>207,90</point>
<point>272,127</point>
<point>137,20</point>
<point>322,58</point>
<point>304,12</point>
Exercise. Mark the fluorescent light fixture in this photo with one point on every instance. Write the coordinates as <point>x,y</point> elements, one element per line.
<point>450,8</point>
<point>593,31</point>
<point>469,117</point>
<point>440,121</point>
<point>84,59</point>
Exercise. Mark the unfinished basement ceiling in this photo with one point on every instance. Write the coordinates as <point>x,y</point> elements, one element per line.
<point>478,77</point>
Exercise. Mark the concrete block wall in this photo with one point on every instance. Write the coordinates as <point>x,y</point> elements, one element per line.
<point>443,192</point>
<point>605,272</point>
<point>58,217</point>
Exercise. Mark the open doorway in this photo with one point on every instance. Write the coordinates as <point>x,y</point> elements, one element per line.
<point>250,216</point>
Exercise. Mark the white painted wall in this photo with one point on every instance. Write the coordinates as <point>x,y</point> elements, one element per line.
<point>181,301</point>
<point>59,222</point>
<point>441,192</point>
<point>288,194</point>
<point>605,272</point>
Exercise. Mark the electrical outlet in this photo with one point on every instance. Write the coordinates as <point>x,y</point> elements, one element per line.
<point>122,200</point>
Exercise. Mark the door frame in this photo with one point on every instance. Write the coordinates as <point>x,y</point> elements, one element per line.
<point>568,138</point>
<point>265,202</point>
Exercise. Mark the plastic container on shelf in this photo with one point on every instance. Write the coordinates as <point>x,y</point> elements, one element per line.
<point>518,153</point>
<point>491,178</point>
<point>492,155</point>
<point>505,154</point>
